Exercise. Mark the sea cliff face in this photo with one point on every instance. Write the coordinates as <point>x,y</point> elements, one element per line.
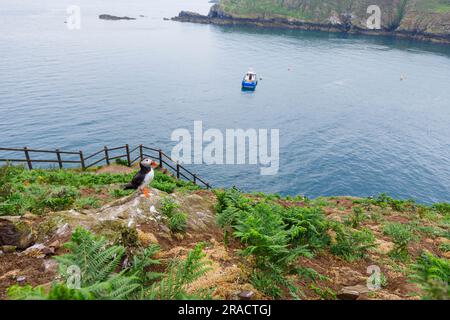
<point>417,19</point>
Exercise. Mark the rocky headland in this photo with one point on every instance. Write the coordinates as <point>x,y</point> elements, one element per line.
<point>413,19</point>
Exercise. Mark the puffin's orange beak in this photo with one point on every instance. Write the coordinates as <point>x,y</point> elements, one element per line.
<point>154,164</point>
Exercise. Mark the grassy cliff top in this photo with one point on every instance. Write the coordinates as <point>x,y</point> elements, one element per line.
<point>411,16</point>
<point>312,9</point>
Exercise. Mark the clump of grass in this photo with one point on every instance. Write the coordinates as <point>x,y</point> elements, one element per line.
<point>177,221</point>
<point>432,275</point>
<point>445,247</point>
<point>385,201</point>
<point>168,206</point>
<point>356,217</point>
<point>401,235</point>
<point>168,187</point>
<point>121,162</point>
<point>433,231</point>
<point>320,202</point>
<point>366,204</point>
<point>376,217</point>
<point>352,244</point>
<point>267,283</point>
<point>6,176</point>
<point>323,293</point>
<point>119,193</point>
<point>169,184</point>
<point>87,203</point>
<point>442,208</point>
<point>310,274</point>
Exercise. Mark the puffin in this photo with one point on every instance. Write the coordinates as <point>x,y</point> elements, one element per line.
<point>143,178</point>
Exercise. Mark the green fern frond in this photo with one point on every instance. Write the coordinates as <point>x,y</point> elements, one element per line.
<point>179,276</point>
<point>91,254</point>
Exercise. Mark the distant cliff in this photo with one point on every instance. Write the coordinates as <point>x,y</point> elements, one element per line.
<point>418,19</point>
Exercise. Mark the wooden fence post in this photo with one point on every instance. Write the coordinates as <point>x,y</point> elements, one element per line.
<point>195,178</point>
<point>27,156</point>
<point>127,147</point>
<point>58,154</point>
<point>141,152</point>
<point>178,170</point>
<point>82,160</point>
<point>160,159</point>
<point>107,155</point>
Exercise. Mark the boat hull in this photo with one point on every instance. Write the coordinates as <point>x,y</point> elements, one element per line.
<point>250,86</point>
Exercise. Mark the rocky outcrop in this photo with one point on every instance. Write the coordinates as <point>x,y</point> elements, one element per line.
<point>401,18</point>
<point>110,17</point>
<point>16,233</point>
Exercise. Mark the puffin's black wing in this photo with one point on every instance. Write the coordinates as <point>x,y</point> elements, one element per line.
<point>136,182</point>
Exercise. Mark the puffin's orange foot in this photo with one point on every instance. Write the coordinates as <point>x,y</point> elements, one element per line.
<point>146,192</point>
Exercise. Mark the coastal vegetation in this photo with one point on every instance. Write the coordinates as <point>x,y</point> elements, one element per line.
<point>41,191</point>
<point>317,9</point>
<point>96,277</point>
<point>418,19</point>
<point>185,242</point>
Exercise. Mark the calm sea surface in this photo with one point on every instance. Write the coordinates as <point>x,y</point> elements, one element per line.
<point>348,125</point>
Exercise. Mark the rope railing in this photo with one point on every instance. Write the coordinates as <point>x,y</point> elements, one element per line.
<point>106,156</point>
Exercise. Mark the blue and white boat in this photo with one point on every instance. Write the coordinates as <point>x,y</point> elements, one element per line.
<point>250,81</point>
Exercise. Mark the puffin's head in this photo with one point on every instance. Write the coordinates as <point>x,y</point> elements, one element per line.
<point>148,163</point>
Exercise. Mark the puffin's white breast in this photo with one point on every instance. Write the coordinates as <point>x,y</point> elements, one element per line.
<point>148,178</point>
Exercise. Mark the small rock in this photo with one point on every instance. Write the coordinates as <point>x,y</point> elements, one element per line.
<point>38,251</point>
<point>165,229</point>
<point>30,216</point>
<point>55,244</point>
<point>63,230</point>
<point>111,17</point>
<point>352,292</point>
<point>10,274</point>
<point>1,253</point>
<point>16,233</point>
<point>126,263</point>
<point>9,249</point>
<point>21,278</point>
<point>246,295</point>
<point>361,289</point>
<point>346,276</point>
<point>146,238</point>
<point>346,294</point>
<point>49,265</point>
